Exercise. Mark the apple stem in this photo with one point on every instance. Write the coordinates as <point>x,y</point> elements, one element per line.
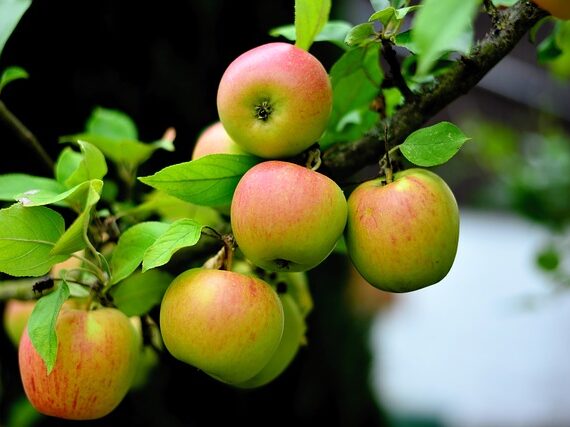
<point>388,168</point>
<point>229,246</point>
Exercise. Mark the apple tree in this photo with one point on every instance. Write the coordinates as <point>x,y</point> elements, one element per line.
<point>211,261</point>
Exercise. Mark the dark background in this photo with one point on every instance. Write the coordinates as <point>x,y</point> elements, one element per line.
<point>159,64</point>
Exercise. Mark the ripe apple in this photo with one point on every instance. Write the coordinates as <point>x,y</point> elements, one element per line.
<point>275,100</point>
<point>286,217</point>
<point>558,8</point>
<point>96,362</point>
<point>227,324</point>
<point>403,236</point>
<point>213,140</point>
<point>293,336</point>
<point>16,315</point>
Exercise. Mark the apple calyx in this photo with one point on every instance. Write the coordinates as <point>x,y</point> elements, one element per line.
<point>283,264</point>
<point>263,110</point>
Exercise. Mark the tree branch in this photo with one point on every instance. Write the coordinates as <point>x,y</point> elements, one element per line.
<point>342,160</point>
<point>25,135</point>
<point>395,70</point>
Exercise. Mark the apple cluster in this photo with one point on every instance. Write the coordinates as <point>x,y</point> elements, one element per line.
<point>400,234</point>
<point>245,326</point>
<point>274,102</point>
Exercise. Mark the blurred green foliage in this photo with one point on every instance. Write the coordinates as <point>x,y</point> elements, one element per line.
<point>528,173</point>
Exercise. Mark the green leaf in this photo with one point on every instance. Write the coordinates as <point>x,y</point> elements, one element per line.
<point>27,236</point>
<point>207,181</point>
<point>310,18</point>
<point>139,293</point>
<point>92,165</point>
<point>361,35</point>
<point>112,124</point>
<point>392,18</point>
<point>180,234</point>
<point>80,197</point>
<point>504,2</point>
<point>404,39</point>
<point>42,323</point>
<point>384,16</point>
<point>10,74</point>
<point>123,151</point>
<point>433,145</point>
<point>67,163</point>
<point>11,11</point>
<point>334,32</point>
<point>393,99</point>
<point>556,43</point>
<point>131,247</point>
<point>437,27</point>
<point>75,237</point>
<point>171,208</point>
<point>78,291</point>
<point>115,134</point>
<point>355,79</point>
<point>11,185</point>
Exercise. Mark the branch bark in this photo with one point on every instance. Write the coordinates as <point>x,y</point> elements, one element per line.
<point>25,135</point>
<point>343,160</point>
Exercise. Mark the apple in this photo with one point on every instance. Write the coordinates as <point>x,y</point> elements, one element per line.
<point>296,284</point>
<point>298,287</point>
<point>293,336</point>
<point>275,100</point>
<point>16,315</point>
<point>148,359</point>
<point>286,217</point>
<point>364,300</point>
<point>402,236</point>
<point>558,8</point>
<point>213,140</point>
<point>96,361</point>
<point>17,312</point>
<point>227,324</point>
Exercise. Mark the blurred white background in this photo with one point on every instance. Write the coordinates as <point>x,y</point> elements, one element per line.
<point>489,345</point>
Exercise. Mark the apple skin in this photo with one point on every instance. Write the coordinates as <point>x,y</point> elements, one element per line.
<point>96,362</point>
<point>298,288</point>
<point>275,100</point>
<point>286,217</point>
<point>16,315</point>
<point>293,336</point>
<point>148,358</point>
<point>215,140</point>
<point>17,312</point>
<point>403,236</point>
<point>557,8</point>
<point>227,324</point>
